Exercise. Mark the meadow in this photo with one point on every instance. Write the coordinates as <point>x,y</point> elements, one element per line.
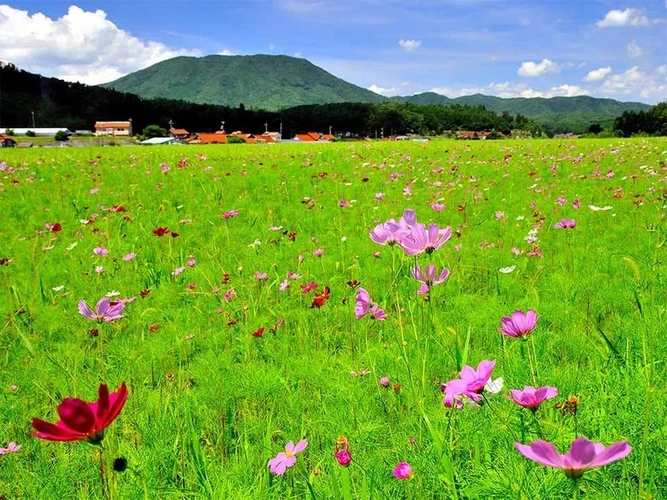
<point>237,271</point>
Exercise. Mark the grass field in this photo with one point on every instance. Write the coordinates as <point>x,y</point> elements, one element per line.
<point>212,398</point>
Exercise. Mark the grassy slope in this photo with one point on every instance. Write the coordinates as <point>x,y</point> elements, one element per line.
<point>268,82</point>
<point>210,404</point>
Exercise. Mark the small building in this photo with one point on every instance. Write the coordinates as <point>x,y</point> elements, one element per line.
<point>472,135</point>
<point>113,128</point>
<point>40,131</point>
<point>159,141</point>
<point>204,138</point>
<point>6,141</point>
<point>313,137</point>
<point>179,133</point>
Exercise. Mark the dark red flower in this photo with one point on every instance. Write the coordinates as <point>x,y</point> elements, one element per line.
<point>321,298</point>
<point>145,293</point>
<point>161,231</point>
<point>259,332</point>
<point>353,283</point>
<point>81,421</point>
<point>54,228</point>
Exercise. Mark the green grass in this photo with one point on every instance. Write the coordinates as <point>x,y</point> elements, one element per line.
<point>210,404</point>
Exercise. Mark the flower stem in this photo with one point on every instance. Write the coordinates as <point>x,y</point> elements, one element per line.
<point>103,479</point>
<point>575,495</point>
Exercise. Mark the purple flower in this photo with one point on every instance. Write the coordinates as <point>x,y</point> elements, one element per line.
<point>384,381</point>
<point>104,311</point>
<point>582,456</point>
<point>438,207</point>
<point>470,384</point>
<point>129,256</point>
<point>287,458</point>
<point>420,239</point>
<point>366,306</point>
<point>520,324</point>
<point>429,277</point>
<point>318,252</point>
<point>402,471</point>
<point>261,276</point>
<point>102,252</point>
<point>532,398</point>
<point>379,196</point>
<point>230,214</point>
<point>565,224</point>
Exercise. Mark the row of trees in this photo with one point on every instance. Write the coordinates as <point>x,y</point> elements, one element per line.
<point>651,122</point>
<point>77,107</point>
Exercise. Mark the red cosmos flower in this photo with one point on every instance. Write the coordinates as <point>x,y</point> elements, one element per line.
<point>54,228</point>
<point>353,283</point>
<point>259,332</point>
<point>81,421</point>
<point>161,231</point>
<point>321,298</point>
<point>308,287</point>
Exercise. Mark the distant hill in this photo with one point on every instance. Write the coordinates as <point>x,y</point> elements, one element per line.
<point>260,81</point>
<point>558,114</point>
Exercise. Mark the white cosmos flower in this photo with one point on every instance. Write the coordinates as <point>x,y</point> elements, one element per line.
<point>507,270</point>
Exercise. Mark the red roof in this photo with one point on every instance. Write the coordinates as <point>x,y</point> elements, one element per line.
<point>212,138</point>
<point>113,124</point>
<point>179,131</point>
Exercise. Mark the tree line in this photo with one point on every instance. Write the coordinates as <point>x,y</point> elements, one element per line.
<point>650,122</point>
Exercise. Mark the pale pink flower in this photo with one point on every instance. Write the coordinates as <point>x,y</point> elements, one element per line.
<point>102,252</point>
<point>293,276</point>
<point>287,458</point>
<point>470,384</point>
<point>500,215</point>
<point>565,224</point>
<point>230,214</point>
<point>438,207</point>
<point>582,456</point>
<point>99,269</point>
<point>318,252</point>
<point>105,310</point>
<point>343,203</point>
<point>519,324</point>
<point>191,263</point>
<point>284,285</point>
<point>261,276</point>
<point>531,397</point>
<point>177,271</point>
<point>384,381</point>
<point>429,277</point>
<point>379,196</point>
<point>11,448</point>
<point>229,295</point>
<point>129,256</point>
<point>365,306</point>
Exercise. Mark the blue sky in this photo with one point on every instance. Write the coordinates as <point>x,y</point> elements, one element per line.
<point>604,48</point>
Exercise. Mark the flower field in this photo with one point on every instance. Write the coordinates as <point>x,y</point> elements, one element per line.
<point>464,320</point>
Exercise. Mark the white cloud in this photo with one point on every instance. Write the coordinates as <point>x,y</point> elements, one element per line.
<point>531,68</point>
<point>634,50</point>
<point>226,52</point>
<point>409,45</point>
<point>80,46</point>
<point>510,89</point>
<point>620,18</point>
<point>649,85</point>
<point>597,74</point>
<point>382,90</point>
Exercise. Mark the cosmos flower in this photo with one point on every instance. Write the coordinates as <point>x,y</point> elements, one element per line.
<point>470,384</point>
<point>11,448</point>
<point>81,421</point>
<point>105,310</point>
<point>421,239</point>
<point>287,458</point>
<point>531,397</point>
<point>565,224</point>
<point>365,305</point>
<point>428,276</point>
<point>519,324</point>
<point>402,471</point>
<point>582,456</point>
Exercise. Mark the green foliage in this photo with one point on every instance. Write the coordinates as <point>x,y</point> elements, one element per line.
<point>9,131</point>
<point>233,139</point>
<point>154,131</point>
<point>61,135</point>
<point>646,123</point>
<point>30,133</point>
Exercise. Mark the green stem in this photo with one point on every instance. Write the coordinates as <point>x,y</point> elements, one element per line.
<point>575,495</point>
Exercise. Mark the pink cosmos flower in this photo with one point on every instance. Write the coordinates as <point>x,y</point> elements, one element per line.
<point>429,277</point>
<point>384,381</point>
<point>532,398</point>
<point>308,287</point>
<point>177,271</point>
<point>11,448</point>
<point>284,285</point>
<point>565,224</point>
<point>500,215</point>
<point>366,306</point>
<point>402,471</point>
<point>420,239</point>
<point>287,458</point>
<point>576,204</point>
<point>105,310</point>
<point>129,256</point>
<point>230,214</point>
<point>389,233</point>
<point>99,269</point>
<point>293,276</point>
<point>343,203</point>
<point>470,384</point>
<point>343,457</point>
<point>582,456</point>
<point>191,263</point>
<point>229,294</point>
<point>379,196</point>
<point>519,324</point>
<point>318,252</point>
<point>102,252</point>
<point>261,276</point>
<point>438,207</point>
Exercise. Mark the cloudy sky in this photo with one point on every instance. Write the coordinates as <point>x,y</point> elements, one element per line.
<point>508,48</point>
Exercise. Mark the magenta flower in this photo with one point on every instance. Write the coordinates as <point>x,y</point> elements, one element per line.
<point>583,455</point>
<point>102,252</point>
<point>366,306</point>
<point>318,252</point>
<point>470,384</point>
<point>104,311</point>
<point>428,276</point>
<point>261,276</point>
<point>438,207</point>
<point>343,203</point>
<point>420,239</point>
<point>520,324</point>
<point>343,457</point>
<point>532,398</point>
<point>565,224</point>
<point>384,381</point>
<point>403,471</point>
<point>129,256</point>
<point>229,295</point>
<point>191,263</point>
<point>287,458</point>
<point>293,276</point>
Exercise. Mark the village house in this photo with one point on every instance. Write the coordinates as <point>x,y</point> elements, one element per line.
<point>6,141</point>
<point>472,135</point>
<point>113,128</point>
<point>179,133</point>
<point>314,137</point>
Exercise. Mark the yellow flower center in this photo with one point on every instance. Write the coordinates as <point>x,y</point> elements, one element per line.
<point>289,454</point>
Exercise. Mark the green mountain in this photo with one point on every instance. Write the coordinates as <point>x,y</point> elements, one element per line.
<point>260,81</point>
